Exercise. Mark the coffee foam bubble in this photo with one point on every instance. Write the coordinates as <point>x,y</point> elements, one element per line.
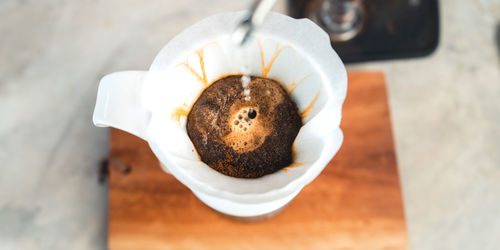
<point>252,121</point>
<point>247,133</point>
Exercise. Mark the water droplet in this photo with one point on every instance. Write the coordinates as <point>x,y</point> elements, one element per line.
<point>245,80</point>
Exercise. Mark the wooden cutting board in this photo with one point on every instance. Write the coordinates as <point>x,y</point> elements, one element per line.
<point>355,203</point>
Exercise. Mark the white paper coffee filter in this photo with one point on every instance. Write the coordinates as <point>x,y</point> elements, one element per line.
<point>295,52</point>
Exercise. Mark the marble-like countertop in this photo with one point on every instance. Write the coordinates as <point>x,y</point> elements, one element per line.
<point>445,115</point>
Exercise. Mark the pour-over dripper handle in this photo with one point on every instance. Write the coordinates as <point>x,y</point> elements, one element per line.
<point>118,103</point>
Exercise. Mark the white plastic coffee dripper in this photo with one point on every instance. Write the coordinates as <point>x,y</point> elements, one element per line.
<point>153,104</point>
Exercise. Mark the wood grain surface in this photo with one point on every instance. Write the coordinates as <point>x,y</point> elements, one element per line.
<point>355,203</point>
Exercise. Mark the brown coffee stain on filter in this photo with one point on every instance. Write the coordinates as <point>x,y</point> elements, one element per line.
<point>294,161</point>
<point>191,70</point>
<point>265,69</point>
<point>179,112</point>
<point>200,53</point>
<point>293,165</point>
<point>203,77</point>
<point>292,86</point>
<point>202,65</point>
<point>307,111</point>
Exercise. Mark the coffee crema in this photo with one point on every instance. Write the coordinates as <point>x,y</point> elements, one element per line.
<point>244,130</point>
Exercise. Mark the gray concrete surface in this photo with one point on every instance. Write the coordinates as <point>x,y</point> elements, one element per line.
<point>445,115</point>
